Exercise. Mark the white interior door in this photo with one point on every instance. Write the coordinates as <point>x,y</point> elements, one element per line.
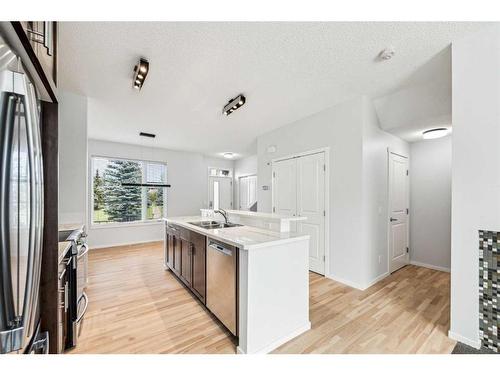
<point>311,204</point>
<point>247,193</point>
<point>398,212</point>
<point>220,192</point>
<point>252,193</point>
<point>285,187</point>
<point>243,193</point>
<point>299,189</point>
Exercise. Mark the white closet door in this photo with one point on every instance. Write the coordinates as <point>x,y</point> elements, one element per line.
<point>285,187</point>
<point>311,204</point>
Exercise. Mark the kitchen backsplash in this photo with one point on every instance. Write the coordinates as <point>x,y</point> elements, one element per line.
<point>489,275</point>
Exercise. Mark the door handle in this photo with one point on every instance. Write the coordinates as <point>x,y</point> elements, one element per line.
<point>392,219</point>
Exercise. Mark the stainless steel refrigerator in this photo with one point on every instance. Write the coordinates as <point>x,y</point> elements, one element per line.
<point>21,209</point>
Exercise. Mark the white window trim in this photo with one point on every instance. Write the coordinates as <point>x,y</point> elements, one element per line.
<point>138,223</point>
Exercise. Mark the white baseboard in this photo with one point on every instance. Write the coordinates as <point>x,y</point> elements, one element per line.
<point>93,247</point>
<point>345,281</point>
<point>376,280</point>
<point>455,336</point>
<point>356,285</point>
<point>277,343</point>
<point>432,267</point>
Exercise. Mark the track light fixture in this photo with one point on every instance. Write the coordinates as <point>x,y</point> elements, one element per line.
<point>140,73</point>
<point>233,104</point>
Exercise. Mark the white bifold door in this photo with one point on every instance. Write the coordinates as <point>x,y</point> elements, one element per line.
<point>398,212</point>
<point>299,190</point>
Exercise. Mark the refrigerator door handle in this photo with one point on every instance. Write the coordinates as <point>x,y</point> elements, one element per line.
<point>33,131</point>
<point>31,289</point>
<point>11,332</point>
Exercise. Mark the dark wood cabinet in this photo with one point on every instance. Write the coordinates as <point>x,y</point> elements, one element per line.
<point>177,254</point>
<point>169,250</point>
<point>186,262</point>
<point>185,255</point>
<point>198,242</point>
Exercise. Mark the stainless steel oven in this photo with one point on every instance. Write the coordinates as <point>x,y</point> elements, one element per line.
<point>63,312</point>
<point>82,301</point>
<point>78,299</point>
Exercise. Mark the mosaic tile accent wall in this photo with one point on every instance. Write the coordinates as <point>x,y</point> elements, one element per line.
<point>489,289</point>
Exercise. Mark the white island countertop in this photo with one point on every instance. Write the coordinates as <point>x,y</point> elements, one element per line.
<point>244,237</point>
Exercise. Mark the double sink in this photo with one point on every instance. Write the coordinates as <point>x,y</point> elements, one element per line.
<point>214,224</point>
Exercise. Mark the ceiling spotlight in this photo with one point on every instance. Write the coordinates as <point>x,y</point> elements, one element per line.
<point>435,133</point>
<point>228,155</point>
<point>140,73</point>
<point>233,104</point>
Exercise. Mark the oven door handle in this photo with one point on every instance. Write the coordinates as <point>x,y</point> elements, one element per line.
<point>84,252</point>
<point>84,295</point>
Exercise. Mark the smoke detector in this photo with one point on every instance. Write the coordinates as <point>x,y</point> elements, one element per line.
<point>387,53</point>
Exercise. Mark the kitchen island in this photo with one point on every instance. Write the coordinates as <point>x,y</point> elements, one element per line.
<point>271,282</point>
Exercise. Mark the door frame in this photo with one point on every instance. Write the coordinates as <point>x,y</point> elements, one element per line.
<point>407,157</point>
<point>326,151</point>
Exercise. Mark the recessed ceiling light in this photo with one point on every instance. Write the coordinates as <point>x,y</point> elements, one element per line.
<point>435,133</point>
<point>228,155</point>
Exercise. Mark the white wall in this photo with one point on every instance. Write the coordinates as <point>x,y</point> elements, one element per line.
<point>475,170</point>
<point>243,167</point>
<point>72,158</point>
<point>358,156</point>
<point>430,202</point>
<point>375,192</point>
<point>187,172</point>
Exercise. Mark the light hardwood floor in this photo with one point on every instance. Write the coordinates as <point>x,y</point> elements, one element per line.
<point>138,307</point>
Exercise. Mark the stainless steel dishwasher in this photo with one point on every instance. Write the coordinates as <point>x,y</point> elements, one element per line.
<point>222,282</point>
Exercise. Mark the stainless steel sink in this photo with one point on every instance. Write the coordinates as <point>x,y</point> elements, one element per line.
<point>214,224</point>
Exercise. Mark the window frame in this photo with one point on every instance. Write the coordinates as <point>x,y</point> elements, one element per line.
<point>137,223</point>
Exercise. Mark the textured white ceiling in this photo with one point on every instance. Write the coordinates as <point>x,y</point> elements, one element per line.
<point>421,103</point>
<point>287,71</point>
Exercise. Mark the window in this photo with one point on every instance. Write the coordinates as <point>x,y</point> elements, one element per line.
<point>114,203</point>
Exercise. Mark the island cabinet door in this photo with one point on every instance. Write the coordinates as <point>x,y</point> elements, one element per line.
<point>170,250</point>
<point>199,256</point>
<point>186,262</point>
<point>177,254</point>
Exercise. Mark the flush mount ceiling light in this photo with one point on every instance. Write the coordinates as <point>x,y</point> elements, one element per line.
<point>435,133</point>
<point>140,72</point>
<point>233,105</point>
<point>228,155</point>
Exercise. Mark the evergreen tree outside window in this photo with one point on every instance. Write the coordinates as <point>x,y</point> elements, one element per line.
<point>114,203</point>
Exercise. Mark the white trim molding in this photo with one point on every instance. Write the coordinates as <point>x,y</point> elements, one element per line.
<point>430,266</point>
<point>356,285</point>
<point>281,341</point>
<point>98,247</point>
<point>457,337</point>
